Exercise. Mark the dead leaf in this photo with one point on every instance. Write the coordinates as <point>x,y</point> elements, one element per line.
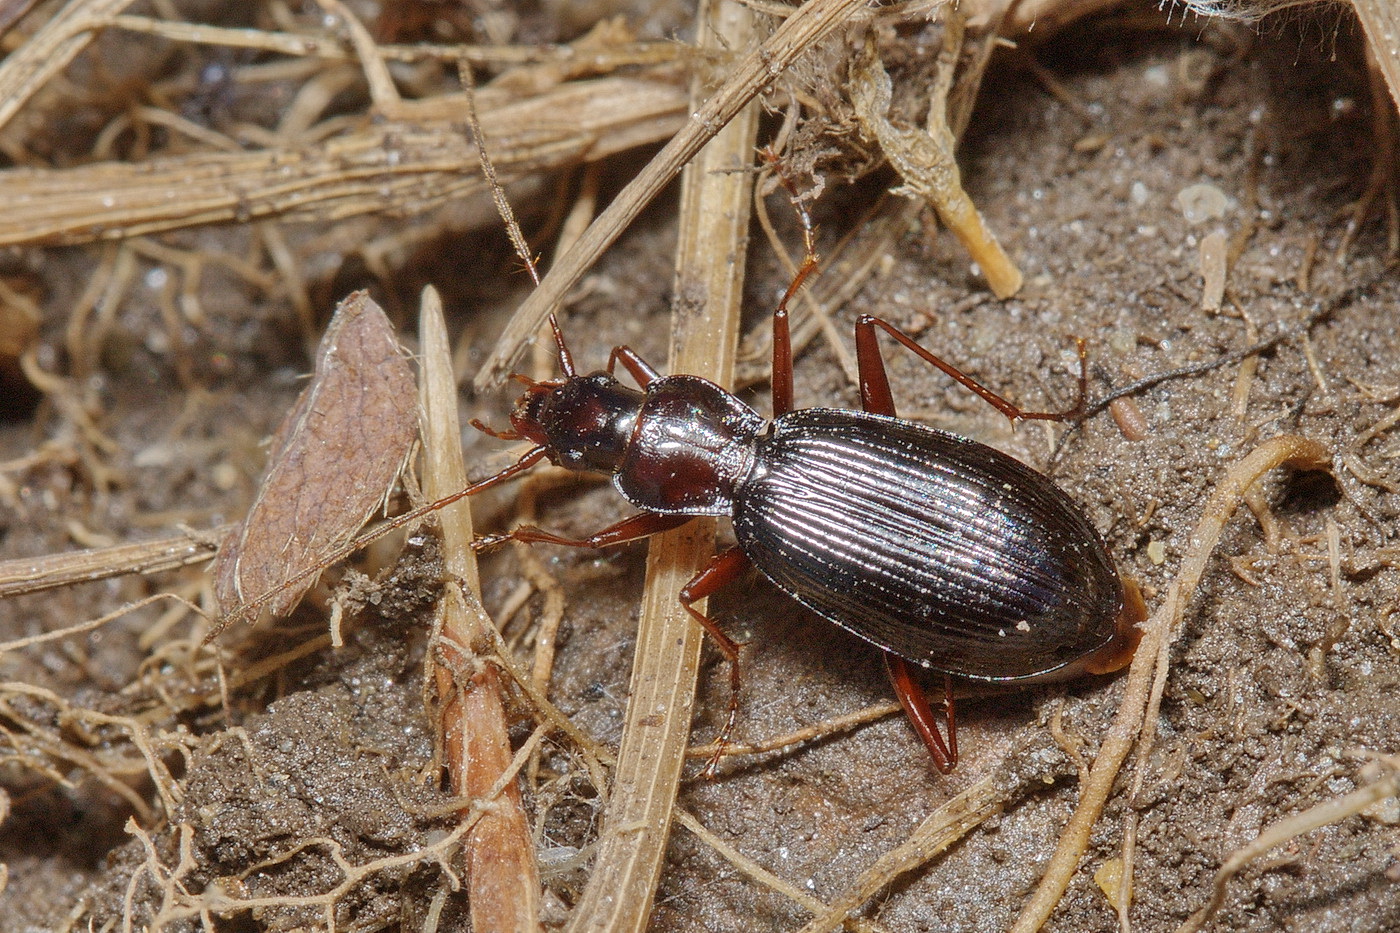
<point>333,460</point>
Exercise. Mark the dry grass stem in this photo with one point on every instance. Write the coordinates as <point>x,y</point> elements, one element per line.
<point>1381,20</point>
<point>503,877</point>
<point>1136,719</point>
<point>49,50</point>
<point>834,726</point>
<point>34,575</point>
<point>714,218</point>
<point>91,624</point>
<point>806,26</point>
<point>763,876</point>
<point>1323,814</point>
<point>405,168</point>
<point>935,835</point>
<point>580,57</point>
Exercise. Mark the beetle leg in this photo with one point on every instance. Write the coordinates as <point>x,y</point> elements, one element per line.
<point>723,570</point>
<point>642,525</point>
<point>916,708</point>
<point>640,369</point>
<point>875,392</point>
<point>781,379</point>
<point>782,363</point>
<point>484,428</point>
<point>782,339</point>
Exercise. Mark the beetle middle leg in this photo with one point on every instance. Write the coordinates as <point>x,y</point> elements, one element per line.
<point>719,573</point>
<point>723,570</point>
<point>875,394</point>
<point>875,397</point>
<point>916,707</point>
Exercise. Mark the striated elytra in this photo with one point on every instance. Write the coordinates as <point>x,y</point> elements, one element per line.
<point>939,549</point>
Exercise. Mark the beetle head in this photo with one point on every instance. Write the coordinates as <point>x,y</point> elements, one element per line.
<point>584,423</point>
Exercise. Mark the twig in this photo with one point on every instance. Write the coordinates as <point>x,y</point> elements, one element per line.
<point>714,220</point>
<point>49,51</point>
<point>941,829</point>
<point>35,574</point>
<point>762,875</point>
<point>1136,719</point>
<point>502,872</point>
<point>1323,814</point>
<point>821,730</point>
<point>924,158</point>
<point>1381,20</point>
<point>807,25</point>
<point>406,167</point>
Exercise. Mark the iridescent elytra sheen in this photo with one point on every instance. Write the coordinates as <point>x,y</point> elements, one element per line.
<point>947,552</point>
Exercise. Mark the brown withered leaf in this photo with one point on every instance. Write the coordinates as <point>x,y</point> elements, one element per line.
<point>333,459</point>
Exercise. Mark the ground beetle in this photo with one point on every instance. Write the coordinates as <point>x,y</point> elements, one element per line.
<point>943,552</point>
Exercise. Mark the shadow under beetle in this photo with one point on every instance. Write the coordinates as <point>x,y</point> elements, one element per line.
<point>943,552</point>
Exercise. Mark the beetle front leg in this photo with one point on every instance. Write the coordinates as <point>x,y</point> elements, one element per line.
<point>632,528</point>
<point>915,702</point>
<point>723,570</point>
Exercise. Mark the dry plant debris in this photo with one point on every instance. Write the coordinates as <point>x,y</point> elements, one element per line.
<point>503,874</point>
<point>333,462</point>
<point>924,159</point>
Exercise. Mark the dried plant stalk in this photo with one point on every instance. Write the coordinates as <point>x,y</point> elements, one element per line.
<point>925,159</point>
<point>715,206</point>
<point>1381,20</point>
<point>49,50</point>
<point>1134,722</point>
<point>935,835</point>
<point>401,168</point>
<point>35,574</point>
<point>1324,814</point>
<point>503,877</point>
<point>808,24</point>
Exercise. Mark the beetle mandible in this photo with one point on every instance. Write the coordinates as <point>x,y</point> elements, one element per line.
<point>941,551</point>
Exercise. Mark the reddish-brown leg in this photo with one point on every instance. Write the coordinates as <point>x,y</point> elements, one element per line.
<point>875,384</point>
<point>632,528</point>
<point>640,369</point>
<point>782,362</point>
<point>877,398</point>
<point>916,708</point>
<point>782,338</point>
<point>723,570</point>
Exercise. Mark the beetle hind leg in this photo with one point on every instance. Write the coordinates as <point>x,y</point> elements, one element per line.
<point>920,714</point>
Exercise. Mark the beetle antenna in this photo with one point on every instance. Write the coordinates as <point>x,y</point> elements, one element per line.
<point>498,194</point>
<point>566,359</point>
